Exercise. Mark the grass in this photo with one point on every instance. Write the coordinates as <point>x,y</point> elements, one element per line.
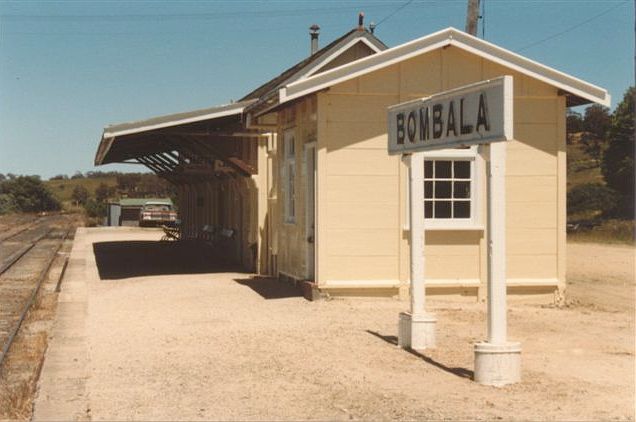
<point>609,231</point>
<point>581,167</point>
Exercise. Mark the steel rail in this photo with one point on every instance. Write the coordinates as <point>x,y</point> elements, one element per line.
<point>41,278</point>
<point>21,252</point>
<point>21,229</point>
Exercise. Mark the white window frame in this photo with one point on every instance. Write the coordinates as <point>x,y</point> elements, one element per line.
<point>473,155</point>
<point>289,176</point>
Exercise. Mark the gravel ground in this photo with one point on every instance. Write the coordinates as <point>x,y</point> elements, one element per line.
<point>226,346</point>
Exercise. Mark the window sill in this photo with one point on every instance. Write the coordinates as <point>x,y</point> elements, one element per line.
<point>450,227</point>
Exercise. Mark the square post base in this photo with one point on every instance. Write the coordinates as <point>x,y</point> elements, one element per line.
<point>497,364</point>
<point>417,333</point>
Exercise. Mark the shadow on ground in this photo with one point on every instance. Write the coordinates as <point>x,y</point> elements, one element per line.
<point>460,372</point>
<point>270,288</point>
<point>116,260</point>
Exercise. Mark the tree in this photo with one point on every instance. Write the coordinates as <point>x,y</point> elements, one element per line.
<point>77,175</point>
<point>590,197</point>
<point>80,195</point>
<point>27,194</point>
<point>596,123</point>
<point>103,192</point>
<point>127,182</point>
<point>617,164</point>
<point>574,122</point>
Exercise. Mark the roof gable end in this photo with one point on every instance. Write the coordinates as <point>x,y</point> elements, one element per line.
<point>312,64</point>
<point>440,39</point>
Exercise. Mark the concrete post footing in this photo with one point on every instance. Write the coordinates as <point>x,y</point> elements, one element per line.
<point>416,332</point>
<point>497,364</point>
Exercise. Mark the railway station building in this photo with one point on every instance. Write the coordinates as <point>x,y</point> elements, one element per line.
<point>298,169</point>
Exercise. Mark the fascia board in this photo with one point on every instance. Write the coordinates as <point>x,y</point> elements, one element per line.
<point>353,70</point>
<point>338,52</point>
<point>209,116</point>
<point>532,68</point>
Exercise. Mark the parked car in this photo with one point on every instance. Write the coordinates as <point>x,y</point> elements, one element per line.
<point>154,213</point>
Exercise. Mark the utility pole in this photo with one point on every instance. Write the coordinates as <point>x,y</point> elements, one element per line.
<point>472,16</point>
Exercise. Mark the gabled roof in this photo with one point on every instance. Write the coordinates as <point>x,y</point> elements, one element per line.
<point>108,150</point>
<point>581,92</point>
<point>318,60</point>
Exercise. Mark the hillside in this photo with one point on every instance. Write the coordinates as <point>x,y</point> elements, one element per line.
<point>582,168</point>
<point>62,189</point>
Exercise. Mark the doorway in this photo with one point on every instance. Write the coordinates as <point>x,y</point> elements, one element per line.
<point>310,210</point>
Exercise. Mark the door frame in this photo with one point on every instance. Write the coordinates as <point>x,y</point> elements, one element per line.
<point>310,192</point>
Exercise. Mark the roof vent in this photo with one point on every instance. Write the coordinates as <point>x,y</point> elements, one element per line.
<point>372,27</point>
<point>314,31</point>
<point>361,21</point>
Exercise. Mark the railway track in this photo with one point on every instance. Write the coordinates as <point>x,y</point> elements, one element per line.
<point>25,259</point>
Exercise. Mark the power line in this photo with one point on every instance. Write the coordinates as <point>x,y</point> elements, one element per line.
<point>190,16</point>
<point>384,19</point>
<point>605,12</point>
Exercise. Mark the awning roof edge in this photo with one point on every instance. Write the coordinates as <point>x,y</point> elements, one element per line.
<point>176,119</point>
<point>111,132</point>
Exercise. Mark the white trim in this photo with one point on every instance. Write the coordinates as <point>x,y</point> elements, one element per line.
<point>216,115</point>
<point>436,282</point>
<point>532,282</point>
<point>476,168</point>
<point>387,284</point>
<point>310,274</point>
<point>289,163</point>
<point>359,284</point>
<point>443,38</point>
<point>337,53</point>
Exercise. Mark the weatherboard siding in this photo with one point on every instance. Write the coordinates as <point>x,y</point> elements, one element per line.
<point>361,207</point>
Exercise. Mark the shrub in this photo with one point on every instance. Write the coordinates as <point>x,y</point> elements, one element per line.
<point>7,204</point>
<point>28,194</point>
<point>95,209</point>
<point>591,197</point>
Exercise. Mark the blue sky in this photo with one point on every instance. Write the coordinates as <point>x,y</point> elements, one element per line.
<point>69,68</point>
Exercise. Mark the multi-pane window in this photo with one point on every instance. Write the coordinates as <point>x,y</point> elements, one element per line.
<point>448,188</point>
<point>290,176</point>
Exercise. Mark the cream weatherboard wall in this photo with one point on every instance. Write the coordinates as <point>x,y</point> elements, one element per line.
<point>361,192</point>
<point>300,119</point>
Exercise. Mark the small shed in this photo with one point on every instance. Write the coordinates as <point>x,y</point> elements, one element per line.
<point>129,209</point>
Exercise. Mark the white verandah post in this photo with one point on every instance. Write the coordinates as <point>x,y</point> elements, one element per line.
<point>497,361</point>
<point>416,329</point>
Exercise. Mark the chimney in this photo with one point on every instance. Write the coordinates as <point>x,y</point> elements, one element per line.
<point>361,21</point>
<point>314,31</point>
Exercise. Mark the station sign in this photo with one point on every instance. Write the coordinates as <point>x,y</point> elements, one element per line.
<point>479,113</point>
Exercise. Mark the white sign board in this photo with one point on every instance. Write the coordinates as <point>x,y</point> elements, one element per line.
<point>473,114</point>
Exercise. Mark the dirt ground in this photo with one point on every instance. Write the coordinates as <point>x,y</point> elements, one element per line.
<point>225,346</point>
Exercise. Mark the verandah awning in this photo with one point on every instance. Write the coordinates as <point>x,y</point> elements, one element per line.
<point>173,144</point>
